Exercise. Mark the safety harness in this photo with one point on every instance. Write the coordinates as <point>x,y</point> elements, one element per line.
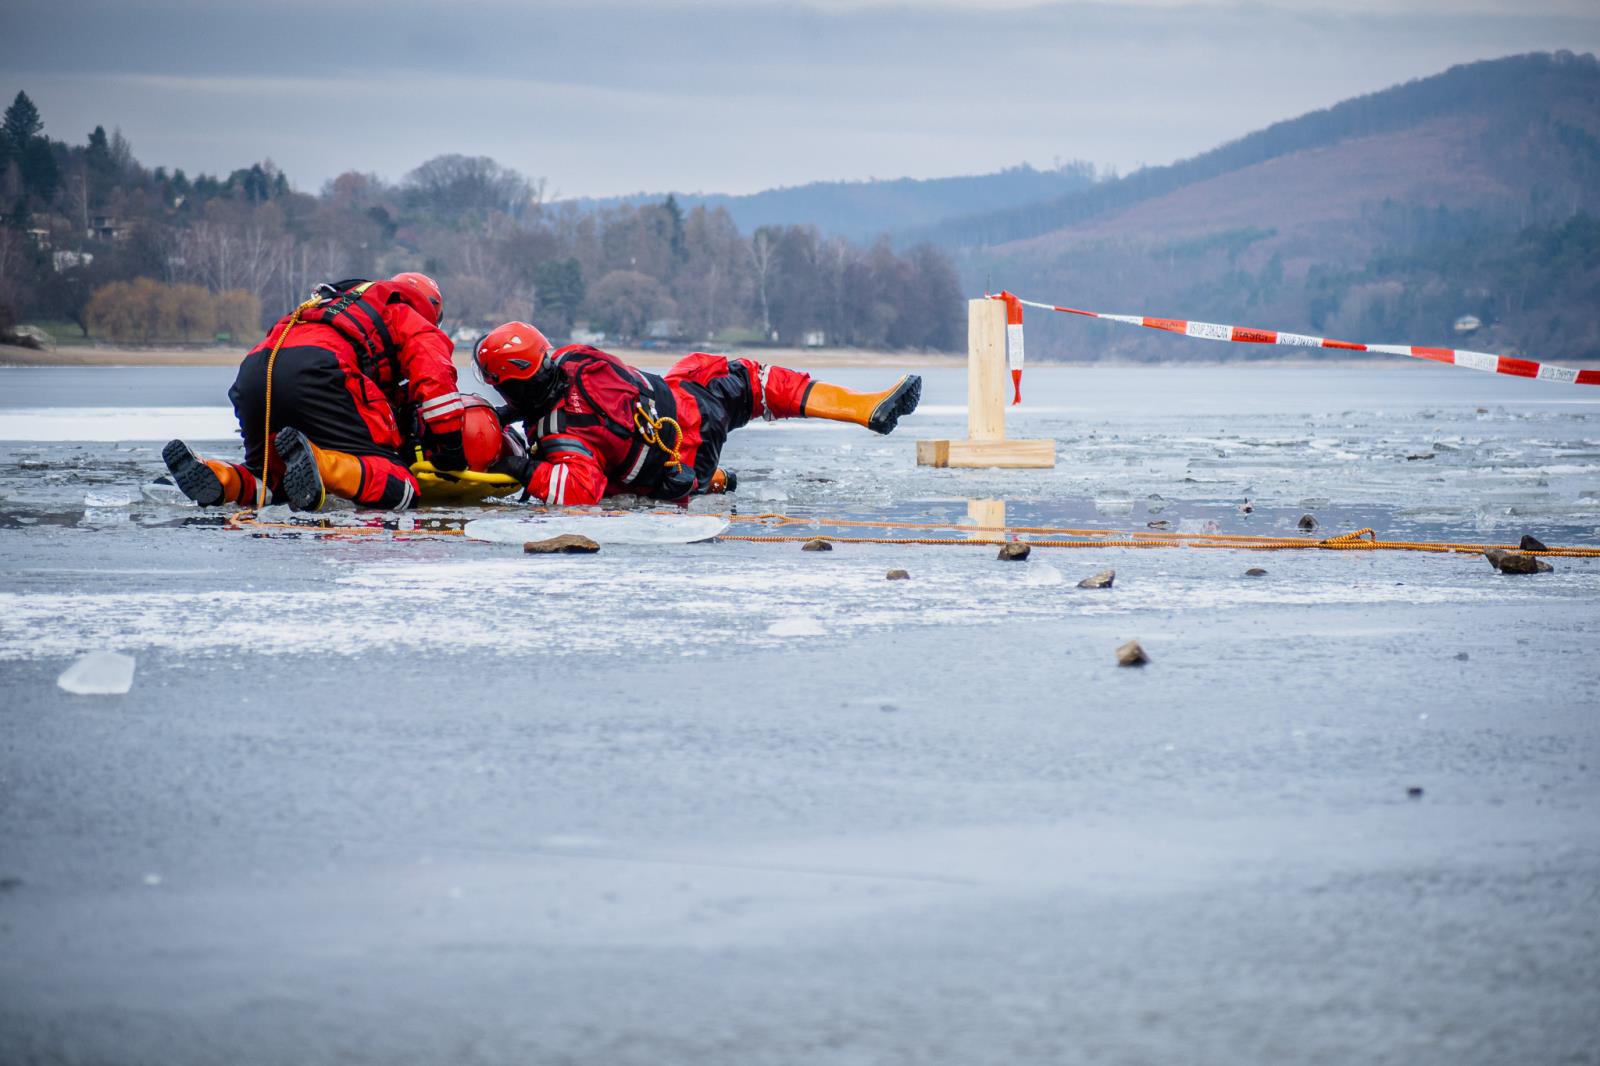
<point>653,465</point>
<point>344,306</point>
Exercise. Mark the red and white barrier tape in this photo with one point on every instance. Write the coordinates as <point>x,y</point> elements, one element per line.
<point>1494,364</point>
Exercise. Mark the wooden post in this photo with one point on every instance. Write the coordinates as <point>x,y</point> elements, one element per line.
<point>986,444</point>
<point>986,370</point>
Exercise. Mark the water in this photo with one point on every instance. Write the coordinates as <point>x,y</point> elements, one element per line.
<point>733,802</point>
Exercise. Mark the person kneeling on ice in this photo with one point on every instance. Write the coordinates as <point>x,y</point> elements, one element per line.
<point>330,382</point>
<point>598,427</point>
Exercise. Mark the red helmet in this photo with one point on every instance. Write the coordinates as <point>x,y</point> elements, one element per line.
<point>480,432</point>
<point>512,352</point>
<point>422,293</point>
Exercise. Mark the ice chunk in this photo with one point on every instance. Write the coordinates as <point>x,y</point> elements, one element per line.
<point>163,490</point>
<point>798,626</point>
<point>1114,505</point>
<point>113,496</point>
<point>769,494</point>
<point>100,673</point>
<point>1041,574</point>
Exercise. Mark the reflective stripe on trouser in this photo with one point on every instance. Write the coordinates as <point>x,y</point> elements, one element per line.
<point>238,483</point>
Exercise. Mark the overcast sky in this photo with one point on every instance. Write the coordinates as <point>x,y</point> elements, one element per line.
<point>618,97</point>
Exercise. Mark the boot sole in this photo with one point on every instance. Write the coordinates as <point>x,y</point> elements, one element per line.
<point>302,481</point>
<point>192,476</point>
<point>902,401</point>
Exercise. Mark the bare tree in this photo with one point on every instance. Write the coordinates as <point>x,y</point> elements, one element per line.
<point>763,250</point>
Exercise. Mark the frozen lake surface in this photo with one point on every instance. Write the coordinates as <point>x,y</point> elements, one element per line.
<point>421,799</point>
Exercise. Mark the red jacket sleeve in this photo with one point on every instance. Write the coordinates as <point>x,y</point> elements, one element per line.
<point>424,353</point>
<point>568,479</point>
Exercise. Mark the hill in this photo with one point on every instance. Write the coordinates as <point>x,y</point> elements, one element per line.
<point>864,209</point>
<point>1387,217</point>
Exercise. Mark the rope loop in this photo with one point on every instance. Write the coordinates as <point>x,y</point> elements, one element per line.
<point>650,429</point>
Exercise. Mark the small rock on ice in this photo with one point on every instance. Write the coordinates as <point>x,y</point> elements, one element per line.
<point>818,545</point>
<point>897,575</point>
<point>1255,571</point>
<point>799,626</point>
<point>1102,580</point>
<point>1308,522</point>
<point>565,544</point>
<point>1516,562</point>
<point>1531,543</point>
<point>1131,654</point>
<point>1013,551</point>
<point>100,673</point>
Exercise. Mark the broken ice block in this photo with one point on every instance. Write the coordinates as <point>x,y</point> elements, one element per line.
<point>100,673</point>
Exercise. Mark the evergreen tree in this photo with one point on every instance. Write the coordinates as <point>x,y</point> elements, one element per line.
<point>22,123</point>
<point>675,234</point>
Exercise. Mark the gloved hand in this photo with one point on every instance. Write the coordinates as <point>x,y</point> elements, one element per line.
<point>675,484</point>
<point>445,450</point>
<point>514,458</point>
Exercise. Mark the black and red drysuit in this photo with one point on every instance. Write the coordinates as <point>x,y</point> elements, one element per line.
<point>589,431</point>
<point>360,372</point>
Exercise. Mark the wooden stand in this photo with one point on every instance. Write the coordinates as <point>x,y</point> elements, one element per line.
<point>986,444</point>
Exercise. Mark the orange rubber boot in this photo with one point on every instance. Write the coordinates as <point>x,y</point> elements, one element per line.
<point>237,486</point>
<point>208,482</point>
<point>310,473</point>
<point>878,411</point>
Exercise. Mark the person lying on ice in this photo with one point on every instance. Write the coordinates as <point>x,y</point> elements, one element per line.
<point>333,377</point>
<point>598,427</point>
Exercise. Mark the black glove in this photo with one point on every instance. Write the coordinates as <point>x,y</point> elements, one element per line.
<point>445,451</point>
<point>514,457</point>
<point>675,484</point>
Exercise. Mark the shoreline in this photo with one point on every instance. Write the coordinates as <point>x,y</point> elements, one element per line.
<point>801,358</point>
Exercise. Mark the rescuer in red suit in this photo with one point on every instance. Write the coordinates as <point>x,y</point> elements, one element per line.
<point>599,427</point>
<point>358,370</point>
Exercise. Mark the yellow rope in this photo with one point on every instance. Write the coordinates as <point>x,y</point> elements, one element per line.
<point>266,415</point>
<point>650,427</point>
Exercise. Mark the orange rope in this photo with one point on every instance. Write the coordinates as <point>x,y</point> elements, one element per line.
<point>1359,540</point>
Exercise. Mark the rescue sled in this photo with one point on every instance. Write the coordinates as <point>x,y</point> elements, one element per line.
<point>449,488</point>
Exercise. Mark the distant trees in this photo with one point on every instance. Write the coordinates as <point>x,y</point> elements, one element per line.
<point>91,236</point>
<point>145,311</point>
<point>456,188</point>
<point>625,302</point>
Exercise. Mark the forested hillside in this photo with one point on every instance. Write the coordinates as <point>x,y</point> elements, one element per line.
<point>96,243</point>
<point>1393,217</point>
<point>862,210</point>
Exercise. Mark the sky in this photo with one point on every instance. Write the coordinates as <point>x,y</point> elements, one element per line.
<point>621,96</point>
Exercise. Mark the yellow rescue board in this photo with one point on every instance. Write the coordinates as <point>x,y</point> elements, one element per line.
<point>447,487</point>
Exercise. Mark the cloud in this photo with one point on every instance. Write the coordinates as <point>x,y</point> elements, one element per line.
<point>694,95</point>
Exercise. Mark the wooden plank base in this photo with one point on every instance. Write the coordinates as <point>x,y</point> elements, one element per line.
<point>981,453</point>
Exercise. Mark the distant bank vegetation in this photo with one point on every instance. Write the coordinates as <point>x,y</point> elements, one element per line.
<point>93,238</point>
